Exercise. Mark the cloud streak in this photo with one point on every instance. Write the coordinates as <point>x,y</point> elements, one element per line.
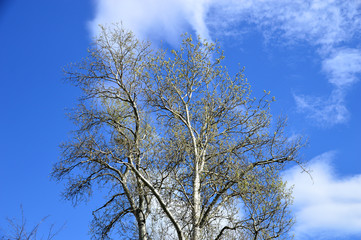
<point>324,23</point>
<point>326,207</point>
<point>324,111</point>
<point>327,25</point>
<point>343,67</point>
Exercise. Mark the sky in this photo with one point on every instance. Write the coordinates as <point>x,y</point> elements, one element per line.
<point>306,52</point>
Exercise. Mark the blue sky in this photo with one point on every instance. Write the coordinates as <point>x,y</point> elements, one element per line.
<point>307,53</point>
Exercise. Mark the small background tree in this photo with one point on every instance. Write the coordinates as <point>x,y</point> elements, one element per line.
<point>20,230</point>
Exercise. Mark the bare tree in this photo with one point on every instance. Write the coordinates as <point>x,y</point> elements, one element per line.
<point>19,230</point>
<point>182,148</point>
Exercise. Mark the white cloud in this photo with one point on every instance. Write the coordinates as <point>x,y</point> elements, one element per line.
<point>343,66</point>
<point>326,206</point>
<point>163,19</point>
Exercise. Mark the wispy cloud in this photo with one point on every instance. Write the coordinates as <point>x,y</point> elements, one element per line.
<point>343,66</point>
<point>323,111</point>
<point>326,206</point>
<point>325,24</point>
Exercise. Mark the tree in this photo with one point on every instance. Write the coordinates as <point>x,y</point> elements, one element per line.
<point>18,230</point>
<point>177,142</point>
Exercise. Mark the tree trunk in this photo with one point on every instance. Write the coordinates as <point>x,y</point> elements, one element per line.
<point>196,204</point>
<point>142,231</point>
<point>142,228</point>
